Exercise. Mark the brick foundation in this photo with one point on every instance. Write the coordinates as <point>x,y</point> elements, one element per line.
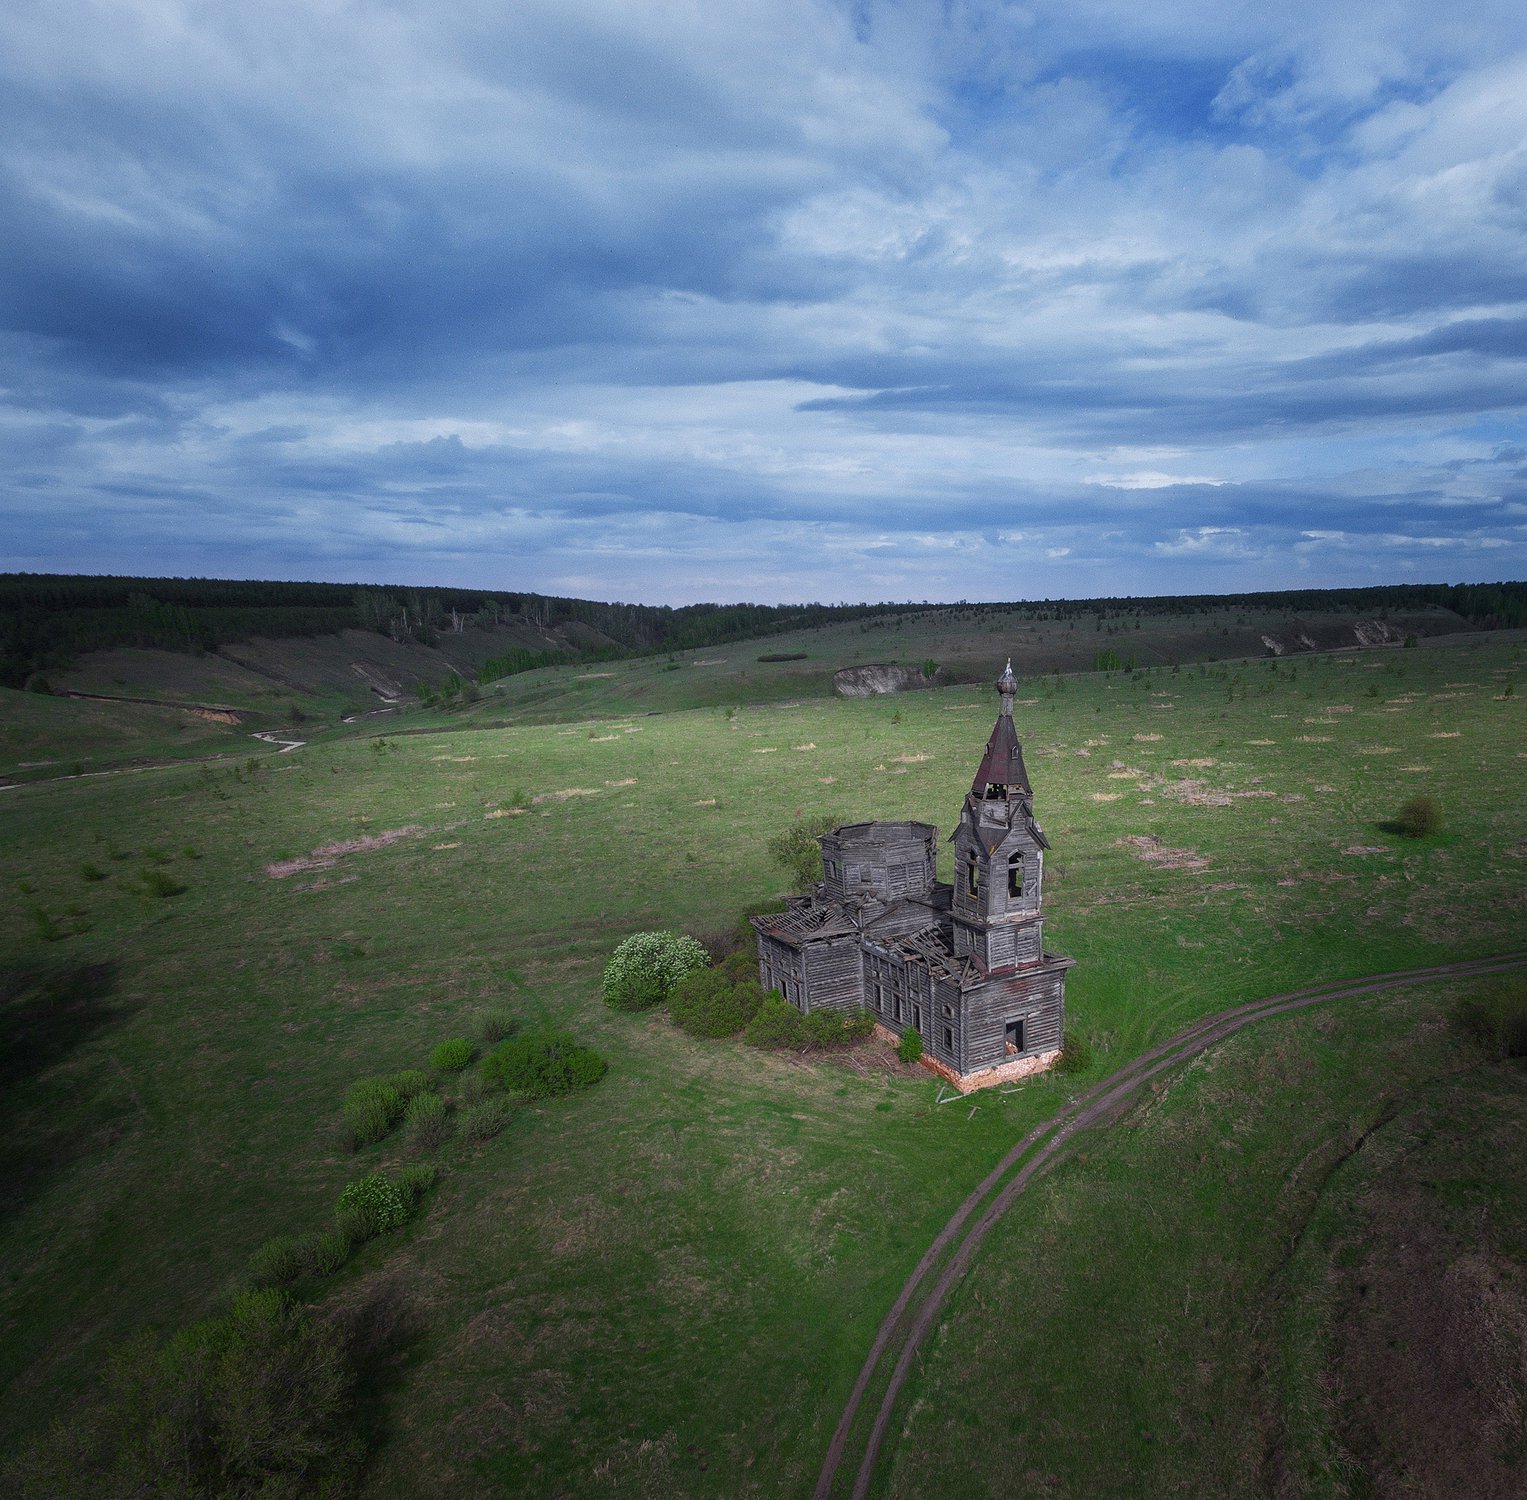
<point>985,1078</point>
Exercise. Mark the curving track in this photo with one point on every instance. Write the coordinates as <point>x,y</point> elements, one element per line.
<point>947,1259</point>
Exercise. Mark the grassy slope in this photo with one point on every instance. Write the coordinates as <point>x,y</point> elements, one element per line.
<point>1281,1275</point>
<point>45,736</point>
<point>696,1253</point>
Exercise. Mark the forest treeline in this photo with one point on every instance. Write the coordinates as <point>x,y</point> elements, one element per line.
<point>47,620</point>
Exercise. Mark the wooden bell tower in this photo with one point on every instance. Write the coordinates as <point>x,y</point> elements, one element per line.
<point>999,855</point>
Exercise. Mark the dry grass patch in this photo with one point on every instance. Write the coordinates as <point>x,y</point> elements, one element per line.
<point>1155,852</point>
<point>566,794</point>
<point>326,856</point>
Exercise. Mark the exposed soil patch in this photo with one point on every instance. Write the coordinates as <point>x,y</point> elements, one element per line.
<point>1195,793</point>
<point>1428,1352</point>
<point>1153,851</point>
<point>326,856</point>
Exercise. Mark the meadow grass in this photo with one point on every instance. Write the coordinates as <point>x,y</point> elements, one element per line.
<point>1251,1285</point>
<point>666,1283</point>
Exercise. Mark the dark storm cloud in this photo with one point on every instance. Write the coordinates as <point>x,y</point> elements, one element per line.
<point>846,293</point>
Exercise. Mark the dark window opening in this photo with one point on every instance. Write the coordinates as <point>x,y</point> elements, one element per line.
<point>973,877</point>
<point>917,1017</point>
<point>949,1040</point>
<point>1015,875</point>
<point>1013,1042</point>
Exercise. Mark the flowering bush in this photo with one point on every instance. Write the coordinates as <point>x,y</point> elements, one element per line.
<point>644,969</point>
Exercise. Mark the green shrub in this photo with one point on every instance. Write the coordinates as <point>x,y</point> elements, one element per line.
<point>777,1023</point>
<point>543,1064</point>
<point>89,870</point>
<point>1419,818</point>
<point>857,1025</point>
<point>325,1252</point>
<point>409,1082</point>
<point>1495,1016</point>
<point>837,1028</point>
<point>257,1402</point>
<point>741,964</point>
<point>370,1206</point>
<point>911,1045</point>
<point>1075,1053</point>
<point>707,1003</point>
<point>644,969</point>
<point>494,1025</point>
<point>452,1056</point>
<point>485,1120</point>
<point>414,1182</point>
<point>472,1088</point>
<point>427,1122</point>
<point>157,883</point>
<point>372,1107</point>
<point>797,852</point>
<point>48,928</point>
<point>278,1262</point>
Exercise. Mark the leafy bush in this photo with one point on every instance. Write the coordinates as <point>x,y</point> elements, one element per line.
<point>452,1056</point>
<point>370,1206</point>
<point>258,1402</point>
<point>472,1088</point>
<point>741,964</point>
<point>708,1003</point>
<point>1419,818</point>
<point>1495,1016</point>
<point>911,1045</point>
<point>494,1025</point>
<point>409,1082</point>
<point>644,969</point>
<point>414,1182</point>
<point>543,1064</point>
<point>1075,1053</point>
<point>427,1122</point>
<point>325,1252</point>
<point>777,1023</point>
<point>837,1028</point>
<point>485,1120</point>
<point>372,1107</point>
<point>278,1261</point>
<point>797,852</point>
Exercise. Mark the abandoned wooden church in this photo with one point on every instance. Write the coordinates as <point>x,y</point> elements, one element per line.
<point>965,964</point>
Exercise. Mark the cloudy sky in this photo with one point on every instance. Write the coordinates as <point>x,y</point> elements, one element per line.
<point>766,299</point>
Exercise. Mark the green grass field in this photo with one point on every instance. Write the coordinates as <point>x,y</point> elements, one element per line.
<point>666,1285</point>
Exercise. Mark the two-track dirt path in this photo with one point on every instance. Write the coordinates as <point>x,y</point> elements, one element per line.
<point>947,1259</point>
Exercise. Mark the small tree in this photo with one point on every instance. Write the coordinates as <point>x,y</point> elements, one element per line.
<point>1419,818</point>
<point>797,852</point>
<point>911,1045</point>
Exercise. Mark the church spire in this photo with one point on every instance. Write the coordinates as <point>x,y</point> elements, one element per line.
<point>1002,775</point>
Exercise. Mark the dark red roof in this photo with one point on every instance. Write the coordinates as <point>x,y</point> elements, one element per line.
<point>1002,765</point>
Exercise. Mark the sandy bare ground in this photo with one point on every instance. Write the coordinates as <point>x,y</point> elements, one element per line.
<point>891,1356</point>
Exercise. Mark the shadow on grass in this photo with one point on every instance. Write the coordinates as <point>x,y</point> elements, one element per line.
<point>46,1014</point>
<point>378,1332</point>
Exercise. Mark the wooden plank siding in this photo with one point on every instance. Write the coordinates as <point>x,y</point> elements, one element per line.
<point>1033,996</point>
